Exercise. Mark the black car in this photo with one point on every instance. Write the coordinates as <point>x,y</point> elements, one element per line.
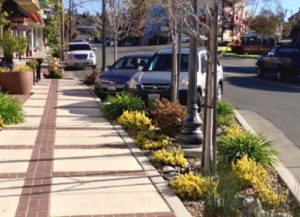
<point>115,79</point>
<point>284,61</point>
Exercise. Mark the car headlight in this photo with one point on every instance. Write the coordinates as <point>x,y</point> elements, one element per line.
<point>132,84</point>
<point>91,55</point>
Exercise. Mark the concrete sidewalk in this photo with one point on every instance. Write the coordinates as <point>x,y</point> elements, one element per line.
<point>66,160</point>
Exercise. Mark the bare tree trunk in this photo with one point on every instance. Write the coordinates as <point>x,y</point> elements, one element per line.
<point>115,47</point>
<point>174,95</point>
<point>210,108</point>
<point>62,31</point>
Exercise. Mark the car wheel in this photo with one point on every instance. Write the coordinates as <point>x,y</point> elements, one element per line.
<point>260,72</point>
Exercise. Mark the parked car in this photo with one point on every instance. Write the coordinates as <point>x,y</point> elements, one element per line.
<point>155,80</point>
<point>284,61</point>
<point>115,79</point>
<point>80,55</point>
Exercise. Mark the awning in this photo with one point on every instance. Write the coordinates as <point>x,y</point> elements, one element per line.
<point>36,18</point>
<point>29,6</point>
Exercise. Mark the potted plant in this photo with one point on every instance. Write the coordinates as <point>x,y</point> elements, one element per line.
<point>18,79</point>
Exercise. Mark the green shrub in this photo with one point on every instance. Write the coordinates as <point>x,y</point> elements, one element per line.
<point>55,73</point>
<point>150,140</point>
<point>10,110</point>
<point>168,116</point>
<point>225,114</point>
<point>249,173</point>
<point>222,200</point>
<point>166,157</point>
<point>134,121</point>
<point>191,187</point>
<point>233,147</point>
<point>22,68</point>
<point>4,69</point>
<point>114,106</point>
<point>33,63</point>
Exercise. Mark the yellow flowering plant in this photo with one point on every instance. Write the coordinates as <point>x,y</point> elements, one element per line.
<point>192,187</point>
<point>251,174</point>
<point>134,121</point>
<point>173,158</point>
<point>151,140</point>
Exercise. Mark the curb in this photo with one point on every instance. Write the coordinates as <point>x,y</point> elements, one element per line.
<point>159,183</point>
<point>287,177</point>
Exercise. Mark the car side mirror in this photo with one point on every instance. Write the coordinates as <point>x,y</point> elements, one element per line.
<point>140,68</point>
<point>94,48</point>
<point>109,67</point>
<point>270,54</point>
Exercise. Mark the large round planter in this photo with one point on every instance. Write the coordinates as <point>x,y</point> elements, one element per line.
<point>16,82</point>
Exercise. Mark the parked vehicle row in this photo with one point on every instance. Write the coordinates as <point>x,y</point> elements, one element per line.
<point>283,60</point>
<point>153,80</point>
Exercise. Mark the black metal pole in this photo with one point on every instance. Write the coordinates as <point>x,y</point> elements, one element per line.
<point>62,31</point>
<point>191,135</point>
<point>103,35</point>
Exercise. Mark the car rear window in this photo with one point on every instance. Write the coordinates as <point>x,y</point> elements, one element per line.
<point>130,62</point>
<point>73,47</point>
<point>163,62</point>
<point>288,52</point>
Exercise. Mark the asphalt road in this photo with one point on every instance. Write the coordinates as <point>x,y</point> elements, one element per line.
<point>276,101</point>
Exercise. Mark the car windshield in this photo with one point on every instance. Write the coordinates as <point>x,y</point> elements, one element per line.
<point>163,62</point>
<point>130,62</point>
<point>73,47</point>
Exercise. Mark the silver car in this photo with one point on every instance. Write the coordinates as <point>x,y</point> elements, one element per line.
<point>155,81</point>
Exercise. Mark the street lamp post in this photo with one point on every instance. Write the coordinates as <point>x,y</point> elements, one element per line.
<point>103,35</point>
<point>191,135</point>
<point>62,31</point>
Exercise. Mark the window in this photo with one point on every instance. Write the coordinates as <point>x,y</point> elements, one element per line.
<point>118,64</point>
<point>288,52</point>
<point>73,47</point>
<point>163,62</point>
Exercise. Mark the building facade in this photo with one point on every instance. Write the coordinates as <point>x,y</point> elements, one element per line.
<point>25,21</point>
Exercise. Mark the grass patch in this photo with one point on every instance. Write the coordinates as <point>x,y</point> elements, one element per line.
<point>228,53</point>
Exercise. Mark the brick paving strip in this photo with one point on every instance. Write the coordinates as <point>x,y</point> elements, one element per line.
<point>34,199</point>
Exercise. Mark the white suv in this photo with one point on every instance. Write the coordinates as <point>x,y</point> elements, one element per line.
<point>155,80</point>
<point>80,55</point>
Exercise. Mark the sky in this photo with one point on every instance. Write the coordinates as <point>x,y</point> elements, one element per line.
<point>292,6</point>
<point>93,6</point>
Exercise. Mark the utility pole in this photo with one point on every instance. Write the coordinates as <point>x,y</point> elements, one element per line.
<point>103,35</point>
<point>62,31</point>
<point>70,19</point>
